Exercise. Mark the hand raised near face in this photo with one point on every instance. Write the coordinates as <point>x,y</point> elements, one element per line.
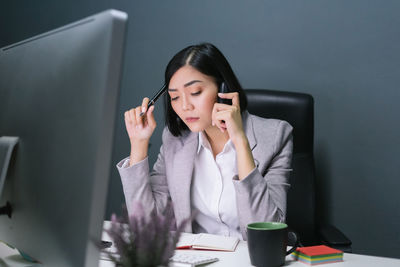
<point>228,117</point>
<point>140,128</point>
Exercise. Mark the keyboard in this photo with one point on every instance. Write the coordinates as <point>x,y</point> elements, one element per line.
<point>190,260</point>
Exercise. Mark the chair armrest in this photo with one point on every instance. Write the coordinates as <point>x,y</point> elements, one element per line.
<point>333,237</point>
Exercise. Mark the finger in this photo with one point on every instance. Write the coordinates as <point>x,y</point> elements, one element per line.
<point>132,116</point>
<point>219,120</point>
<point>150,118</point>
<point>220,125</point>
<point>138,118</point>
<point>127,120</point>
<point>225,118</point>
<point>127,117</point>
<point>230,95</point>
<point>221,128</point>
<point>226,110</point>
<point>223,115</point>
<point>221,107</point>
<point>234,96</point>
<point>214,112</point>
<point>145,102</point>
<point>235,99</point>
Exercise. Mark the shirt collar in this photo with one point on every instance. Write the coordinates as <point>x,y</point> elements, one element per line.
<point>203,142</point>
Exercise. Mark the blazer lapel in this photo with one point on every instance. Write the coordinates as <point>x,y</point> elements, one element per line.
<point>249,131</point>
<point>183,164</point>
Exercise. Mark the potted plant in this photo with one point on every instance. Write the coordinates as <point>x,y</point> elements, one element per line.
<point>142,239</point>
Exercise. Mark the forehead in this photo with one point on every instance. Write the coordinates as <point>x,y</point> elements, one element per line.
<point>187,74</point>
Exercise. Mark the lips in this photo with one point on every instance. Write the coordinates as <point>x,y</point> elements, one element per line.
<point>192,119</point>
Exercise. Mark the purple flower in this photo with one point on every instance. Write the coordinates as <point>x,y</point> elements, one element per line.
<point>144,240</point>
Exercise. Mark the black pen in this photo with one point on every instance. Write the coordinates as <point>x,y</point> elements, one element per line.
<point>154,99</point>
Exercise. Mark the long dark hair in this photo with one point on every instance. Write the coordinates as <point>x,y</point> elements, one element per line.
<point>207,59</point>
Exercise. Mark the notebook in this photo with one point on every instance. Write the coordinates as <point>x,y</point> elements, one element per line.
<point>316,255</point>
<point>207,242</point>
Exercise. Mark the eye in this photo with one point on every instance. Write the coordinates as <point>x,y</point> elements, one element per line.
<point>196,93</point>
<point>174,98</point>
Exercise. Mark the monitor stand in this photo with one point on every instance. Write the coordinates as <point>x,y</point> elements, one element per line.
<point>7,144</point>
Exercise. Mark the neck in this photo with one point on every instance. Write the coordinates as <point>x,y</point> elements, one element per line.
<point>216,138</point>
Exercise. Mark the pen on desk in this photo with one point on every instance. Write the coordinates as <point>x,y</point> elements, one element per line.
<point>154,99</point>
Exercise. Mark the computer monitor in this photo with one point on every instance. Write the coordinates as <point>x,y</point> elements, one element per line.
<point>59,95</point>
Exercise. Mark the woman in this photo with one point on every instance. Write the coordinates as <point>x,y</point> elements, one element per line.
<point>218,162</point>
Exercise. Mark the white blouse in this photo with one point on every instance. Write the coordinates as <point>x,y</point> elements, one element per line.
<point>213,197</point>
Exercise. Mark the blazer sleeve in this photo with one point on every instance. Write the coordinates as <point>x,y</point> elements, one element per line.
<point>141,185</point>
<point>261,196</point>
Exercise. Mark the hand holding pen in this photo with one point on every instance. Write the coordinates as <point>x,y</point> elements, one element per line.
<point>154,99</point>
<point>140,124</point>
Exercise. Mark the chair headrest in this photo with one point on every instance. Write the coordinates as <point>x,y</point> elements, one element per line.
<point>295,108</point>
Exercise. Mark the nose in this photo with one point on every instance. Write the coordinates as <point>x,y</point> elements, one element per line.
<point>186,104</point>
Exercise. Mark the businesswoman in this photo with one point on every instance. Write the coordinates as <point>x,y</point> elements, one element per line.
<point>218,162</point>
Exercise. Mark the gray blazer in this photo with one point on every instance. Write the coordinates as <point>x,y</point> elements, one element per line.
<point>261,196</point>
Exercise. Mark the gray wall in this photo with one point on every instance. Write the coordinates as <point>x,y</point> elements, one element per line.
<point>345,53</point>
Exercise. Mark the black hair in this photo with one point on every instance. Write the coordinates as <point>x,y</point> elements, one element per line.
<point>207,59</point>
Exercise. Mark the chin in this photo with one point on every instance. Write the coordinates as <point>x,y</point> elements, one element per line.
<point>196,128</point>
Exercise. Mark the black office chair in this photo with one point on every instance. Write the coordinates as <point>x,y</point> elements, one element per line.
<point>298,110</point>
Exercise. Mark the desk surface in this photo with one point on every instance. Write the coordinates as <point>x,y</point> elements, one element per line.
<point>240,258</point>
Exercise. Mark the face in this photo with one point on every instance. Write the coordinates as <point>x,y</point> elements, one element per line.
<point>193,95</point>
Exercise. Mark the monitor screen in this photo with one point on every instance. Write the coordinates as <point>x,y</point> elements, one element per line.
<point>59,95</point>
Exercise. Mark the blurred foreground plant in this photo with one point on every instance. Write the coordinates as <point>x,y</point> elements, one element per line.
<point>144,240</point>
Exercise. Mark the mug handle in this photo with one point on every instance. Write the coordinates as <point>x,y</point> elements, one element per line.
<point>294,239</point>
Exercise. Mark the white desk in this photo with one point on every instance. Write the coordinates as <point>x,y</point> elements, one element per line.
<point>240,258</point>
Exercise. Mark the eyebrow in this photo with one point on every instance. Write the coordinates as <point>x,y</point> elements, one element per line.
<point>185,85</point>
<point>191,82</point>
